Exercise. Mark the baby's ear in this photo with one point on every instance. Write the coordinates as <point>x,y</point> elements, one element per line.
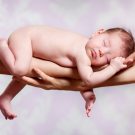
<point>98,32</point>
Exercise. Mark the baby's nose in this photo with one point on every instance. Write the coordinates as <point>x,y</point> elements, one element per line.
<point>101,53</point>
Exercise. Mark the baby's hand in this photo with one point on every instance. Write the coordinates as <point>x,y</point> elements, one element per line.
<point>117,63</point>
<point>89,104</point>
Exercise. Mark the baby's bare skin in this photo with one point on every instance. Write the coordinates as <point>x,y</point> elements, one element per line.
<point>60,46</point>
<point>63,47</point>
<point>57,45</point>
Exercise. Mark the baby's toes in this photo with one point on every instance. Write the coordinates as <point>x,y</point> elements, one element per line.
<point>88,110</point>
<point>88,114</point>
<point>12,116</point>
<point>3,41</point>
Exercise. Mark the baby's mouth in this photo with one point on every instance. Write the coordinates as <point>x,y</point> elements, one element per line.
<point>94,54</point>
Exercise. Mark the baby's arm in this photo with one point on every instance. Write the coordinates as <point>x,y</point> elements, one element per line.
<point>94,78</point>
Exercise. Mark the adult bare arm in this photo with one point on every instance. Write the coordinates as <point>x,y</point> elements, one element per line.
<point>46,82</point>
<point>51,69</point>
<point>47,67</point>
<point>126,76</point>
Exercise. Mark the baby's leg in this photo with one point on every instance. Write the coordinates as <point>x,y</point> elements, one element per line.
<point>17,54</point>
<point>13,88</point>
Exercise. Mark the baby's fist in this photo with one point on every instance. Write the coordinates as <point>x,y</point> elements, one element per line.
<point>117,63</point>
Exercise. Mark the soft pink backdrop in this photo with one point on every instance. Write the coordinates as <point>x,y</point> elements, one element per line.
<point>62,112</point>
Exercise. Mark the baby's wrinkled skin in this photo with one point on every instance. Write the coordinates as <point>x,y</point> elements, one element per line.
<point>65,48</point>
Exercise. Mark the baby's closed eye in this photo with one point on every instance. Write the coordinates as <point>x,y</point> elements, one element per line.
<point>106,42</point>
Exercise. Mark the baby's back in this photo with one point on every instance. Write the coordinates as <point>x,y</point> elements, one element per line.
<point>54,44</point>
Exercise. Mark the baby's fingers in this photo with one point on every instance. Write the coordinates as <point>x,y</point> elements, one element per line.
<point>124,66</point>
<point>123,59</point>
<point>120,59</point>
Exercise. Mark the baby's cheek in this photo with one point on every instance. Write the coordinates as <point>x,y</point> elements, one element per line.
<point>103,61</point>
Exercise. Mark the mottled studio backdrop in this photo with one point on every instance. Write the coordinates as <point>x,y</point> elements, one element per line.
<point>43,112</point>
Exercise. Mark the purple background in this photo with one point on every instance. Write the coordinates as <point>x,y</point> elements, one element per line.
<point>62,112</point>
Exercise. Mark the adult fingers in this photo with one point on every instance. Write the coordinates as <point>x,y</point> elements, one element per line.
<point>28,80</point>
<point>43,76</point>
<point>129,62</point>
<point>130,58</point>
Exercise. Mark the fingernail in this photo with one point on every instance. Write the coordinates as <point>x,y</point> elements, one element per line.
<point>35,69</point>
<point>129,63</point>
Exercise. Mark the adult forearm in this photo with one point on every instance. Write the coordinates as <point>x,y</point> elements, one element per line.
<point>126,76</point>
<point>48,68</point>
<point>52,69</point>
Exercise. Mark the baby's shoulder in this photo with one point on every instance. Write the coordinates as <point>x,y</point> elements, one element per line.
<point>83,58</point>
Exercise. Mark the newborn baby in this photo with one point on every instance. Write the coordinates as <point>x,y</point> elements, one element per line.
<point>67,49</point>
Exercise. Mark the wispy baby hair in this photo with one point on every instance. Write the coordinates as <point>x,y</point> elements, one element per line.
<point>127,38</point>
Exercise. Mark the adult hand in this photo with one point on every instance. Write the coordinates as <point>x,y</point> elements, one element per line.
<point>48,83</point>
<point>129,61</point>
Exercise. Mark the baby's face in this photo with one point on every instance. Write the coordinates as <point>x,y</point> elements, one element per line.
<point>104,47</point>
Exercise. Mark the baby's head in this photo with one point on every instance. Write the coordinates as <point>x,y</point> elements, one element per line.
<point>106,45</point>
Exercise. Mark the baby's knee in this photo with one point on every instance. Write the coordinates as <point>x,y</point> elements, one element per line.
<point>3,41</point>
<point>21,71</point>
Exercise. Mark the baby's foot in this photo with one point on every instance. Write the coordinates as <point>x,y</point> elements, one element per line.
<point>3,41</point>
<point>6,108</point>
<point>3,44</point>
<point>89,104</point>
